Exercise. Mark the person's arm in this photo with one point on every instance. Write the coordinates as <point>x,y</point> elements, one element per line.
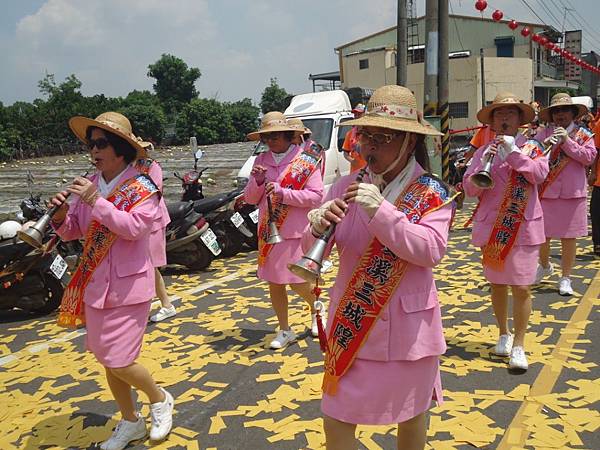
<point>127,225</point>
<point>534,170</point>
<point>423,243</point>
<point>476,165</point>
<point>255,189</point>
<point>584,154</point>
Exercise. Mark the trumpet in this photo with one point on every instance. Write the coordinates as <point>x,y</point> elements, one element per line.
<point>483,178</point>
<point>34,235</point>
<point>273,236</point>
<point>309,266</point>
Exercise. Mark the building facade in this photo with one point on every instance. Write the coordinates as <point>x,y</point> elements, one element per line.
<point>532,72</point>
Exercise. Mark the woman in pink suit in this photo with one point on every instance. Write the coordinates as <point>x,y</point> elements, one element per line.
<point>564,192</point>
<point>110,292</point>
<point>290,178</point>
<point>508,223</point>
<point>384,327</point>
<point>158,251</point>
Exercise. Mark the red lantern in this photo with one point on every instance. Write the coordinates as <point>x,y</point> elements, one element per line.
<point>480,5</point>
<point>497,15</point>
<point>536,38</point>
<point>525,32</point>
<point>543,40</point>
<point>513,24</point>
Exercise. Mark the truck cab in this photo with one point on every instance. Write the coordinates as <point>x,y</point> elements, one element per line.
<point>322,112</point>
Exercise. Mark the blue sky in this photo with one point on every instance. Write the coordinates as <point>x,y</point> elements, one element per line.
<point>237,44</point>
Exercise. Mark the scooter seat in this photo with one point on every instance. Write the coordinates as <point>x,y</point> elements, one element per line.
<point>179,210</point>
<point>207,205</point>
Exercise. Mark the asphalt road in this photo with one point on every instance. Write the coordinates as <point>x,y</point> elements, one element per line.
<point>233,393</point>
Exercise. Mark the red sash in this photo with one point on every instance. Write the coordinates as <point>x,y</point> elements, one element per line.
<point>98,241</point>
<point>372,284</point>
<point>295,177</point>
<point>558,160</point>
<point>510,214</point>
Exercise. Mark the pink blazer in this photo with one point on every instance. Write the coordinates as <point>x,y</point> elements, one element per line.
<point>300,201</point>
<point>162,219</point>
<point>535,171</point>
<point>410,325</point>
<point>572,180</point>
<point>125,276</point>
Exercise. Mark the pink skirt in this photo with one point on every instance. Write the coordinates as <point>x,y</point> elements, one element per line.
<point>115,335</point>
<point>275,268</point>
<point>385,392</point>
<point>519,267</point>
<point>158,248</point>
<point>565,217</point>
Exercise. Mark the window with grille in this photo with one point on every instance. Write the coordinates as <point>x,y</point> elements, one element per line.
<point>459,110</point>
<point>416,55</point>
<point>363,64</point>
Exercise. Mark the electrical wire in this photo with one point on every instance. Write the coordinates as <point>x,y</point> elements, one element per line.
<point>462,47</point>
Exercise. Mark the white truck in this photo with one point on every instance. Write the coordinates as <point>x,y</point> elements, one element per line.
<point>321,112</point>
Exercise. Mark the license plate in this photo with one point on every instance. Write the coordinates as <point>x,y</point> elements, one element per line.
<point>237,219</point>
<point>210,240</point>
<point>58,267</point>
<point>254,216</point>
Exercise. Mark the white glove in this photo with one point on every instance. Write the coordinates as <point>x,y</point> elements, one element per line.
<point>506,147</point>
<point>560,134</point>
<point>315,216</point>
<point>369,198</point>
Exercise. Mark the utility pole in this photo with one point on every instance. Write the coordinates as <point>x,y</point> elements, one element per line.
<point>401,44</point>
<point>481,60</point>
<point>444,69</point>
<point>431,58</point>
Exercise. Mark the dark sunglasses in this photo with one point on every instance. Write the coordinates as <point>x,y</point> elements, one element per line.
<point>377,138</point>
<point>271,136</point>
<point>100,143</point>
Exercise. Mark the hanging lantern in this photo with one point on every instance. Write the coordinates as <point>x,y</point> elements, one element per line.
<point>543,40</point>
<point>525,32</point>
<point>480,5</point>
<point>497,15</point>
<point>536,38</point>
<point>513,24</point>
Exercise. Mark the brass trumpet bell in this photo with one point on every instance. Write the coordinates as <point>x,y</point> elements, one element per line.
<point>34,235</point>
<point>274,237</point>
<point>482,179</point>
<point>309,266</point>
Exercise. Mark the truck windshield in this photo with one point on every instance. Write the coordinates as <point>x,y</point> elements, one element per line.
<point>321,133</point>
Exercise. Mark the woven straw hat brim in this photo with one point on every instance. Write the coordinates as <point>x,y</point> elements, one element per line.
<point>392,123</point>
<point>546,113</point>
<point>255,135</point>
<point>80,124</point>
<point>485,114</point>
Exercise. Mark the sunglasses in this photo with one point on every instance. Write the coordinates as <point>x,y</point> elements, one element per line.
<point>100,143</point>
<point>271,136</point>
<point>376,138</point>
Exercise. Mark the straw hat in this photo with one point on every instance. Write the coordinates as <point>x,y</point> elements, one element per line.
<point>298,125</point>
<point>506,99</point>
<point>113,122</point>
<point>562,99</point>
<point>271,122</point>
<point>395,108</point>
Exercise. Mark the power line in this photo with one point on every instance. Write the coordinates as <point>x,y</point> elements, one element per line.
<point>590,35</point>
<point>462,47</point>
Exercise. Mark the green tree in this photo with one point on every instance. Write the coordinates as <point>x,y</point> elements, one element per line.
<point>207,119</point>
<point>274,98</point>
<point>244,117</point>
<point>175,82</point>
<point>148,120</point>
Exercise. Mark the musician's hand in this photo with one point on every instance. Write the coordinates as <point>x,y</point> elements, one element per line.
<point>489,152</point>
<point>330,212</point>
<point>85,189</point>
<point>259,173</point>
<point>273,188</point>
<point>506,146</point>
<point>366,195</point>
<point>59,199</point>
<point>560,134</point>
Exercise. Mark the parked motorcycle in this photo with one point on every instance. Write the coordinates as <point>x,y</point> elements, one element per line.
<point>250,214</point>
<point>32,279</point>
<point>228,226</point>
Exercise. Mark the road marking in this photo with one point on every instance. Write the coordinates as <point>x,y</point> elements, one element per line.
<point>517,434</point>
<point>36,348</point>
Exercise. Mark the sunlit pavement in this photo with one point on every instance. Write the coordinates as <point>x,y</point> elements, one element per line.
<point>233,393</point>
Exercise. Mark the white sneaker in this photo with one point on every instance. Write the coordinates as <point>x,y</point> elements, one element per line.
<point>543,272</point>
<point>161,414</point>
<point>504,345</point>
<point>518,360</point>
<point>564,286</point>
<point>283,338</point>
<point>163,313</point>
<point>125,432</point>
